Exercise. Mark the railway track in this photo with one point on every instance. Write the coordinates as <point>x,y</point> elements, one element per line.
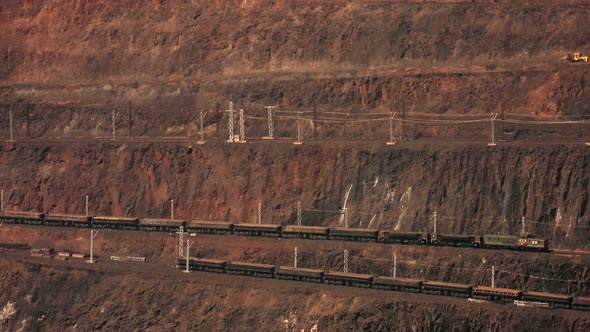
<point>362,282</point>
<point>384,283</point>
<point>493,242</point>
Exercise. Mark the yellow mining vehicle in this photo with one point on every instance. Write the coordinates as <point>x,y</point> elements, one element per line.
<point>577,57</point>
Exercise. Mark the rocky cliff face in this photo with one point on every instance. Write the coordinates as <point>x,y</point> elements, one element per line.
<point>472,189</point>
<point>89,40</point>
<point>60,298</point>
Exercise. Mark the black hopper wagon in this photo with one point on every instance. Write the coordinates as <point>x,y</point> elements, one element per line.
<point>202,264</point>
<point>18,217</point>
<point>581,303</point>
<point>403,237</point>
<point>209,227</point>
<point>115,222</point>
<point>297,273</point>
<point>455,240</point>
<point>398,284</point>
<point>352,234</point>
<point>250,269</point>
<point>446,288</point>
<point>555,300</point>
<point>496,293</point>
<point>67,220</point>
<point>257,229</point>
<point>348,279</point>
<point>156,224</point>
<point>305,232</point>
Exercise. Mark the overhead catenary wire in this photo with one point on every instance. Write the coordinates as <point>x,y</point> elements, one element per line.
<point>417,120</point>
<point>529,276</point>
<point>450,115</point>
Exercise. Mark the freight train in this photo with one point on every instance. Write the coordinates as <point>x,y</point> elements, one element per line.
<point>271,230</point>
<point>385,283</point>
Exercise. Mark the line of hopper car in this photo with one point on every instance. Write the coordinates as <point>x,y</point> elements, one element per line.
<point>272,230</point>
<point>385,283</point>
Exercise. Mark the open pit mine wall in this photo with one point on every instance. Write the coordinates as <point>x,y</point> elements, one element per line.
<point>435,56</point>
<point>87,40</point>
<point>172,108</point>
<point>37,296</point>
<point>473,189</point>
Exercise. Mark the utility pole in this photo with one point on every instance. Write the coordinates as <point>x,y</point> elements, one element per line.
<point>492,118</point>
<point>189,243</point>
<point>493,276</point>
<point>523,229</point>
<point>271,126</point>
<point>230,126</point>
<point>1,200</point>
<point>201,131</point>
<point>86,205</point>
<point>180,241</point>
<point>391,137</point>
<point>172,209</point>
<point>345,267</point>
<point>93,234</point>
<point>295,257</point>
<point>10,118</point>
<point>259,212</point>
<point>242,127</point>
<point>298,213</point>
<point>394,274</point>
<point>299,141</point>
<point>434,217</point>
